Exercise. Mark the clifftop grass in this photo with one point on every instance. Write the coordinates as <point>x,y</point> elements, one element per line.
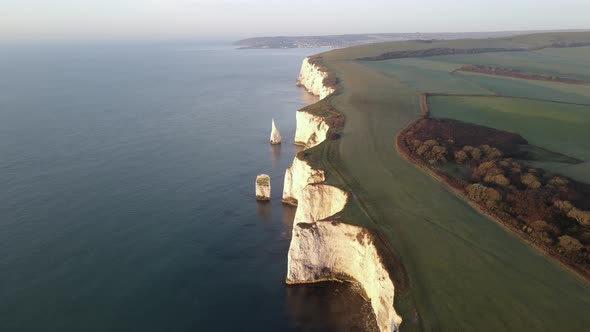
<point>458,263</point>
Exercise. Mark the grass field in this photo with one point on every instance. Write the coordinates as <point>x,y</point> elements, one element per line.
<point>561,128</point>
<point>423,75</point>
<point>464,272</point>
<point>570,63</point>
<point>554,126</point>
<point>533,89</point>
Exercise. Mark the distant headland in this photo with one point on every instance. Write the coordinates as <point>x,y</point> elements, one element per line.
<point>341,41</point>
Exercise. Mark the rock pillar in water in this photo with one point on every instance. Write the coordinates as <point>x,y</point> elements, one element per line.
<point>263,187</point>
<point>275,136</point>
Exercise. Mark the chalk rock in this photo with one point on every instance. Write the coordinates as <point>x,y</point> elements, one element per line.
<point>312,79</point>
<point>322,250</point>
<point>263,187</point>
<point>275,135</point>
<point>297,176</point>
<point>319,201</point>
<point>311,129</point>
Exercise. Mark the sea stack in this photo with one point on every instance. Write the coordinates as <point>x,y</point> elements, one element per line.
<point>275,136</point>
<point>263,187</point>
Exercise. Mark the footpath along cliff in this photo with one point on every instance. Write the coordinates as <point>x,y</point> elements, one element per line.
<point>323,248</point>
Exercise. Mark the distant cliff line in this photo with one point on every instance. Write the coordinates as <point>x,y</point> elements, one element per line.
<point>323,246</point>
<point>347,40</point>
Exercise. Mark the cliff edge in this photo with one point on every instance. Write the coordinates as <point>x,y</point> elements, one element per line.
<point>323,248</point>
<point>312,77</point>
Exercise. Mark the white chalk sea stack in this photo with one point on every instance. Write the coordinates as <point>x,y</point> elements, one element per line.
<point>263,187</point>
<point>275,135</point>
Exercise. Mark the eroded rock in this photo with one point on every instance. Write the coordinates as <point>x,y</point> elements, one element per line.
<point>330,250</point>
<point>275,135</point>
<point>263,187</point>
<point>311,129</point>
<point>324,250</point>
<point>297,176</point>
<point>311,77</point>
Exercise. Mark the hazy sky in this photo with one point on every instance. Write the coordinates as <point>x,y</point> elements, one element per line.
<point>242,18</point>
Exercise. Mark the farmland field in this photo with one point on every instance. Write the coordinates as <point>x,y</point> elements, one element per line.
<point>461,270</point>
<point>423,75</point>
<point>554,126</point>
<point>572,63</point>
<point>506,86</point>
<point>432,76</point>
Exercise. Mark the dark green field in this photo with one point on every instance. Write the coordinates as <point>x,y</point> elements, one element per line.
<point>461,271</point>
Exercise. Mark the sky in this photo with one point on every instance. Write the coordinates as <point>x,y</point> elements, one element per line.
<point>40,19</point>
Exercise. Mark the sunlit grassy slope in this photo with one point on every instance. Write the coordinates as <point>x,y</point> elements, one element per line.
<point>464,272</point>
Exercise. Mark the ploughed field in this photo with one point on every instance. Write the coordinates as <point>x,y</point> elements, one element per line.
<point>454,268</point>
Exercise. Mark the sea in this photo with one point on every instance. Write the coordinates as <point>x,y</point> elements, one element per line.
<point>127,199</point>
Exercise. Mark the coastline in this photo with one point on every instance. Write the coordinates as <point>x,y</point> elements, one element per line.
<point>451,252</point>
<point>322,234</point>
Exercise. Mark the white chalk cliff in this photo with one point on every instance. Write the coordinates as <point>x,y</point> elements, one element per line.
<point>321,248</point>
<point>297,176</point>
<point>311,129</point>
<point>312,78</point>
<point>275,135</point>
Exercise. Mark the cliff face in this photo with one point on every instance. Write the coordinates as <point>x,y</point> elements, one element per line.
<point>329,250</point>
<point>322,249</point>
<point>311,129</point>
<point>312,78</point>
<point>319,201</point>
<point>297,176</point>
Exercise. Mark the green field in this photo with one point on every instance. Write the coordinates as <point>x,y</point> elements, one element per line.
<point>554,126</point>
<point>464,272</point>
<point>422,75</point>
<point>506,86</point>
<point>433,76</point>
<point>570,63</point>
<point>557,127</point>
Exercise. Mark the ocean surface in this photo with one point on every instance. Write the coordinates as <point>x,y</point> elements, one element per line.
<point>127,191</point>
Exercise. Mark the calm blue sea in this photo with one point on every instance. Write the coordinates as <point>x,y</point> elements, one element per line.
<point>127,191</point>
